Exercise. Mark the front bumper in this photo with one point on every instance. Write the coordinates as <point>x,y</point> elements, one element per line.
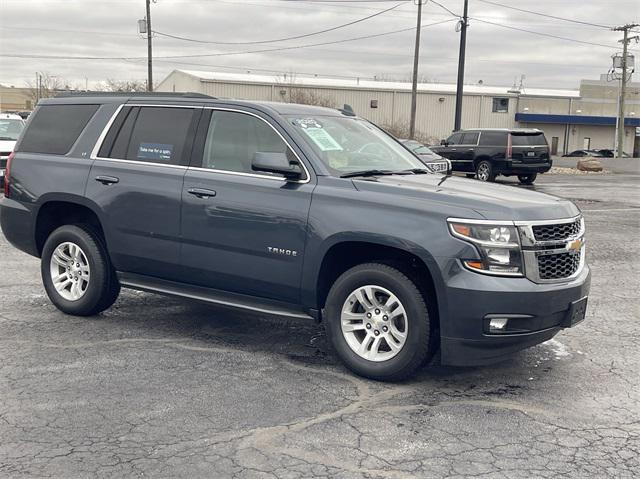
<point>540,311</point>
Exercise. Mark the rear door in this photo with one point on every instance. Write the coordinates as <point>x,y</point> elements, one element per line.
<point>243,231</point>
<point>136,181</point>
<point>529,147</point>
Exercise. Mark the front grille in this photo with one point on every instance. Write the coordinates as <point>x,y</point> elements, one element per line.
<point>558,266</point>
<point>556,232</point>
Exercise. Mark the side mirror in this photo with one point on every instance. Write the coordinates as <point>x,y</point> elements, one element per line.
<point>444,143</point>
<point>276,163</point>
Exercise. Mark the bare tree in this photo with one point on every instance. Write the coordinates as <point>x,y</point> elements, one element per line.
<point>46,86</point>
<point>401,131</point>
<point>291,92</point>
<point>123,85</point>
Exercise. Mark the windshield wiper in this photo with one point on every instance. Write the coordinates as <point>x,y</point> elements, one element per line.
<point>417,171</point>
<point>7,138</point>
<point>367,173</point>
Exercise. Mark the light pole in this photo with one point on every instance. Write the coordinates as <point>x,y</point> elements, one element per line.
<point>623,86</point>
<point>461,56</point>
<point>149,49</point>
<point>414,85</point>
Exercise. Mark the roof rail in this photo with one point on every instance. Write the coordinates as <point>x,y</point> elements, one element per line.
<point>66,94</point>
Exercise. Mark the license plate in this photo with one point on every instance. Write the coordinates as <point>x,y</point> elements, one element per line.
<point>531,153</point>
<point>438,167</point>
<point>577,312</point>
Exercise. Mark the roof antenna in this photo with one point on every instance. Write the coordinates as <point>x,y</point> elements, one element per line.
<point>347,110</point>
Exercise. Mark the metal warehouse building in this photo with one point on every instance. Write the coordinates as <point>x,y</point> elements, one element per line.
<point>571,119</point>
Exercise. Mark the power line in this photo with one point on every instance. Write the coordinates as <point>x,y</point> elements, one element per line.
<point>546,15</point>
<point>265,50</point>
<point>545,34</point>
<point>177,37</point>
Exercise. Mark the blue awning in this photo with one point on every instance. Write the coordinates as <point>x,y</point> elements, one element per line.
<point>574,119</point>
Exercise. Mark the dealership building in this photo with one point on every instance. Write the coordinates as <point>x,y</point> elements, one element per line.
<point>571,119</point>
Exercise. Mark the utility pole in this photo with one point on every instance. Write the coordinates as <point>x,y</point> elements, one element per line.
<point>414,86</point>
<point>149,52</point>
<point>463,24</point>
<point>623,85</point>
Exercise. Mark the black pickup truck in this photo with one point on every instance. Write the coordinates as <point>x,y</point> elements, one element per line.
<point>486,153</point>
<point>292,210</point>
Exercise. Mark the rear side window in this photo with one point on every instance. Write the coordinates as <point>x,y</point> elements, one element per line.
<point>150,134</point>
<point>493,138</point>
<point>55,128</point>
<point>537,139</point>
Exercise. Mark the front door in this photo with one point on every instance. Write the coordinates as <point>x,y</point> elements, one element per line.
<point>243,231</point>
<point>136,182</point>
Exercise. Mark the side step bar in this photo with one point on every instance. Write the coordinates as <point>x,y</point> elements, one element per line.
<point>208,295</point>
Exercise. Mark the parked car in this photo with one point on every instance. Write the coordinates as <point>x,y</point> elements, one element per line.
<point>608,153</point>
<point>10,128</point>
<point>284,209</point>
<point>486,153</point>
<point>583,153</point>
<point>435,163</point>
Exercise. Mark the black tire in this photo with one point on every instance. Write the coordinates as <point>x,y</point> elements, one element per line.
<point>416,350</point>
<point>470,175</point>
<point>484,171</point>
<point>103,287</point>
<point>527,179</point>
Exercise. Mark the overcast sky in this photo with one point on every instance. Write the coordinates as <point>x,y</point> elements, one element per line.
<point>495,55</point>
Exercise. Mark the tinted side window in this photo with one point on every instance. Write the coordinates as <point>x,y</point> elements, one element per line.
<point>55,128</point>
<point>234,138</point>
<point>455,139</point>
<point>537,139</point>
<point>493,138</point>
<point>469,139</point>
<point>159,135</point>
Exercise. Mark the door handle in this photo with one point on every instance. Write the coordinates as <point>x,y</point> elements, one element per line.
<point>107,180</point>
<point>452,149</point>
<point>201,192</point>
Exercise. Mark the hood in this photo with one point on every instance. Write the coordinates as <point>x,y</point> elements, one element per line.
<point>491,201</point>
<point>7,146</point>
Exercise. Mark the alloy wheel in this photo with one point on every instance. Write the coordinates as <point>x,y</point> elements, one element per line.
<point>374,323</point>
<point>70,271</point>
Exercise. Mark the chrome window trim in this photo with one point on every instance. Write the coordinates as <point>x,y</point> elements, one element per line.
<point>105,131</point>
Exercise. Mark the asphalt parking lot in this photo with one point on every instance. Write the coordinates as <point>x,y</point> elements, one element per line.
<point>159,387</point>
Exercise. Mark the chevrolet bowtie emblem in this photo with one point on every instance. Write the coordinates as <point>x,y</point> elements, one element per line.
<point>575,245</point>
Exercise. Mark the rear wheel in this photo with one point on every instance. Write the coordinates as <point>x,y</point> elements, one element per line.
<point>76,271</point>
<point>377,322</point>
<point>484,171</point>
<point>527,179</point>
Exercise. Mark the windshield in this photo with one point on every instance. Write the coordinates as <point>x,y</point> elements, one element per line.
<point>352,144</point>
<point>10,129</point>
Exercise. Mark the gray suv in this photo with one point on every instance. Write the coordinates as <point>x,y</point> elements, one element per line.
<point>290,210</point>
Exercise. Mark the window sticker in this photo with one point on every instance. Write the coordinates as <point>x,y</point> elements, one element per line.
<point>155,151</point>
<point>323,139</point>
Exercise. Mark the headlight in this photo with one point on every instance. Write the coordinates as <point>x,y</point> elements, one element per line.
<point>497,244</point>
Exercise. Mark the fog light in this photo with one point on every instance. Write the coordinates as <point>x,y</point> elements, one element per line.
<point>498,325</point>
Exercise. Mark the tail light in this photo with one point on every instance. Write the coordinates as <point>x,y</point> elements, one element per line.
<point>509,147</point>
<point>6,175</point>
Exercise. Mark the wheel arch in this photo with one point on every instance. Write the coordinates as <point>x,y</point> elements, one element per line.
<point>344,251</point>
<point>55,210</point>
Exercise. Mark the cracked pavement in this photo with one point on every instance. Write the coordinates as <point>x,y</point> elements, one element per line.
<point>162,387</point>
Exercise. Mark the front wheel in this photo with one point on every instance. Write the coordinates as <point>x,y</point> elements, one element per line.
<point>484,171</point>
<point>377,322</point>
<point>527,179</point>
<point>76,271</point>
